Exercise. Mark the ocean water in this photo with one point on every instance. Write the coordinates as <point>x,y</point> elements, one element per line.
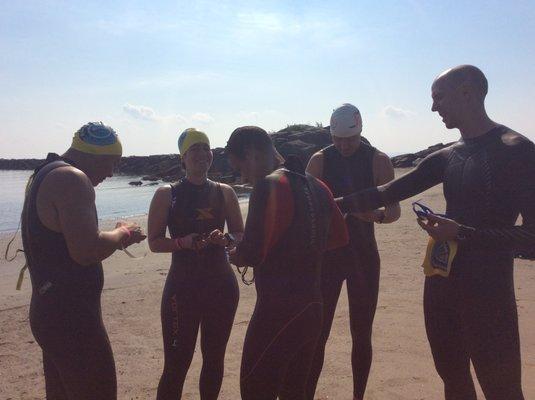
<point>115,198</point>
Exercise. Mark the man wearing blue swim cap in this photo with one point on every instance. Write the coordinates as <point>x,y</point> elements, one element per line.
<point>64,249</point>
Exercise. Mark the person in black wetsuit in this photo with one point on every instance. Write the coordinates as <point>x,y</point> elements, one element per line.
<point>352,164</point>
<point>292,220</point>
<point>488,178</point>
<point>64,249</point>
<point>201,289</point>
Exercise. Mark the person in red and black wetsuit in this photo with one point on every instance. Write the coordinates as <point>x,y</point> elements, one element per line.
<point>292,220</point>
<point>489,180</point>
<point>201,290</point>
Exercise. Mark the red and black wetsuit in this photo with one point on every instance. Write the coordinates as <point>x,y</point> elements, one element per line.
<point>357,264</point>
<point>292,220</point>
<point>65,311</point>
<point>200,291</point>
<point>488,181</point>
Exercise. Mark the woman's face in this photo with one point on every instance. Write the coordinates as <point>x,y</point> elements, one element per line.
<point>198,158</point>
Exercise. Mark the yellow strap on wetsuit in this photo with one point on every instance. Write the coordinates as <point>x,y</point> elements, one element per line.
<point>439,257</point>
<point>21,276</point>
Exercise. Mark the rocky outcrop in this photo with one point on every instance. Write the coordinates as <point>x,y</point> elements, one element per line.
<point>413,159</point>
<point>12,164</point>
<point>299,140</point>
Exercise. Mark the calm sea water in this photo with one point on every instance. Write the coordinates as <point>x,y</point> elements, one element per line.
<point>115,198</point>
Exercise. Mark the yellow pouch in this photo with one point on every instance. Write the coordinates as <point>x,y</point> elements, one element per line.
<point>439,257</point>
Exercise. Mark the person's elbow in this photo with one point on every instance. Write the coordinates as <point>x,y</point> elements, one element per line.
<point>155,245</point>
<point>84,256</point>
<point>394,212</point>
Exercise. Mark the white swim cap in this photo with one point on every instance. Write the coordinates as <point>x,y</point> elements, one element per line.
<point>346,121</point>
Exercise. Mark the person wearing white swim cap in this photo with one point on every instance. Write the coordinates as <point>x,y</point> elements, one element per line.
<point>351,163</point>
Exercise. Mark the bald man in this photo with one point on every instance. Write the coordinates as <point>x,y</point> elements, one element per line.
<point>488,178</point>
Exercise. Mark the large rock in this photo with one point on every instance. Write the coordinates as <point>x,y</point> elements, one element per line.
<point>300,140</point>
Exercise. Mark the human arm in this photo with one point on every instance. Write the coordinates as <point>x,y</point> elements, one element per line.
<point>520,193</point>
<point>233,219</point>
<point>271,211</point>
<point>427,174</point>
<point>157,222</point>
<point>72,196</point>
<point>383,172</point>
<point>315,165</point>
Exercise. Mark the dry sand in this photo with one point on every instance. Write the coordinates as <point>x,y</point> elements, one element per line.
<point>402,366</point>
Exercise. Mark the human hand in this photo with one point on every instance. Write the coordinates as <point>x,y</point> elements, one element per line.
<point>439,228</point>
<point>233,257</point>
<point>134,233</point>
<point>218,238</point>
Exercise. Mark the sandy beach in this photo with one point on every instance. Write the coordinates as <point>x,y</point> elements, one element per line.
<point>402,366</point>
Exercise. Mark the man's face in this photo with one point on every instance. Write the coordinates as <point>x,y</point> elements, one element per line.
<point>346,145</point>
<point>103,168</point>
<point>448,101</point>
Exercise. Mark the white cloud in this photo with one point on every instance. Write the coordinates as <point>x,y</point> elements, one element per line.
<point>397,113</point>
<point>141,112</point>
<point>202,118</point>
<point>149,114</point>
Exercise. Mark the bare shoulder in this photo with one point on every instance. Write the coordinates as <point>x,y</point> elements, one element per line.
<point>62,181</point>
<point>162,195</point>
<point>315,165</point>
<point>225,187</point>
<point>381,160</point>
<point>318,156</point>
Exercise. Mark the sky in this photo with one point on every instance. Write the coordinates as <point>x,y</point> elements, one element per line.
<point>152,69</point>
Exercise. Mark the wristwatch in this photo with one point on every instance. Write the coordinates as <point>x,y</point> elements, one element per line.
<point>464,233</point>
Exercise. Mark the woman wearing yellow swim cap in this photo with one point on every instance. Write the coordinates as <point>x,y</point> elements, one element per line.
<point>201,289</point>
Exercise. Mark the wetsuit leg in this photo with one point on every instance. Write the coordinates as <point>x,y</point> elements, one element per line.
<point>491,331</point>
<point>279,335</point>
<point>295,382</point>
<point>78,359</point>
<point>445,334</point>
<point>362,291</point>
<point>180,313</point>
<point>332,278</point>
<point>53,384</point>
<point>220,300</point>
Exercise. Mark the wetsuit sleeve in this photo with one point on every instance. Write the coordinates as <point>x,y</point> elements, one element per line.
<point>522,192</point>
<point>271,209</point>
<point>428,173</point>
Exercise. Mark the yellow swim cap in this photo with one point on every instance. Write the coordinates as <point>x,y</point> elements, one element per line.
<point>190,137</point>
<point>97,138</point>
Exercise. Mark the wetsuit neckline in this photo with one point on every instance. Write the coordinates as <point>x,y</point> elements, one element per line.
<point>483,137</point>
<point>195,185</point>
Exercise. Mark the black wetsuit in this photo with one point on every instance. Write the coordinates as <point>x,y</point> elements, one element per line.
<point>292,220</point>
<point>65,313</point>
<point>357,264</point>
<point>200,290</point>
<point>488,182</point>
